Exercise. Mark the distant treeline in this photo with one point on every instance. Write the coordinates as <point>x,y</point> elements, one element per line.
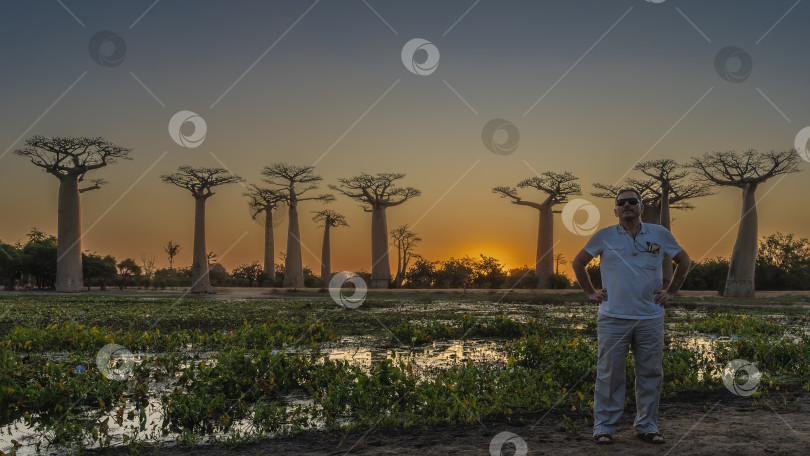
<point>783,263</point>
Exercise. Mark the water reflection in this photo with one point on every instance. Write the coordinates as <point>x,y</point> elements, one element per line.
<point>426,361</point>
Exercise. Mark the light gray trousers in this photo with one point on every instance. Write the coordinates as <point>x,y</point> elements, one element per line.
<point>616,335</point>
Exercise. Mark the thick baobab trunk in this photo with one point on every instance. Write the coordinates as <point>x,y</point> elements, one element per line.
<point>544,266</point>
<point>398,278</point>
<point>69,245</point>
<point>293,268</point>
<point>269,253</point>
<point>666,267</point>
<point>380,268</point>
<point>654,214</point>
<point>200,282</point>
<point>651,214</point>
<point>326,260</point>
<point>740,280</point>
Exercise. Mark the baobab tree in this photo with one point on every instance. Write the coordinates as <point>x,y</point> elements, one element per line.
<point>405,241</point>
<point>559,259</point>
<point>171,250</point>
<point>650,191</point>
<point>557,187</point>
<point>284,177</point>
<point>330,219</point>
<point>746,170</point>
<point>377,193</point>
<point>200,181</point>
<point>69,160</point>
<point>669,176</point>
<point>265,201</point>
<point>667,185</point>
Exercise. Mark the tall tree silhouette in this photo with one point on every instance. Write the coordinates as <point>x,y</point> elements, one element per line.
<point>651,195</point>
<point>405,241</point>
<point>200,181</point>
<point>671,187</point>
<point>559,259</point>
<point>746,171</point>
<point>377,193</point>
<point>557,187</point>
<point>330,219</point>
<point>69,160</point>
<point>265,201</point>
<point>293,182</point>
<point>669,176</point>
<point>171,250</point>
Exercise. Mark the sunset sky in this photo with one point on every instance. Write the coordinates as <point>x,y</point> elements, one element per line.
<point>592,87</point>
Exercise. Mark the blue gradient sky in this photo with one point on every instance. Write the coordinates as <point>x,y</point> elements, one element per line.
<point>603,109</point>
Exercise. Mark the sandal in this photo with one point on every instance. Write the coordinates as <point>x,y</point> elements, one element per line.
<point>603,439</point>
<point>651,437</point>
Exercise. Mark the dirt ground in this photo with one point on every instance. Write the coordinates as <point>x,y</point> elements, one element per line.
<point>714,424</point>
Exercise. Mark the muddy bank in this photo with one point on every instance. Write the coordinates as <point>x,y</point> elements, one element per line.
<point>694,424</point>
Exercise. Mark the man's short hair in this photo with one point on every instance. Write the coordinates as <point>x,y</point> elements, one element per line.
<point>623,190</point>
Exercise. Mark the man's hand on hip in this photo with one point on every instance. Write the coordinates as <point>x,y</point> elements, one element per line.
<point>598,296</point>
<point>663,296</point>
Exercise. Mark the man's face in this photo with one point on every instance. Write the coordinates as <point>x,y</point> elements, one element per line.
<point>626,211</point>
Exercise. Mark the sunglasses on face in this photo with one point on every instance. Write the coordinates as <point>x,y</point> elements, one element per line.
<point>632,201</point>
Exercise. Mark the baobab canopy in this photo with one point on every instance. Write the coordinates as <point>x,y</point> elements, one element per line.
<point>70,159</point>
<point>293,182</point>
<point>200,182</point>
<point>746,170</point>
<point>377,193</point>
<point>557,187</point>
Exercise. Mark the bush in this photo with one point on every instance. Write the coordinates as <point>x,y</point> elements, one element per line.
<point>707,275</point>
<point>595,273</point>
<point>559,282</point>
<point>310,279</point>
<point>523,277</point>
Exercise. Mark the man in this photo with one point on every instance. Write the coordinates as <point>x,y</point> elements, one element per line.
<point>631,313</point>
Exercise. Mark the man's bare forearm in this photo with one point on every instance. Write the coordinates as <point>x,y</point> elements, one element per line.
<point>679,275</point>
<point>583,278</point>
<point>579,264</point>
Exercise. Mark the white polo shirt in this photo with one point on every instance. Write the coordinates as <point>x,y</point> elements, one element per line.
<point>631,269</point>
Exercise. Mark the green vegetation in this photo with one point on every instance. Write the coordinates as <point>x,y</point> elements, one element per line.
<point>726,324</point>
<point>210,370</point>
